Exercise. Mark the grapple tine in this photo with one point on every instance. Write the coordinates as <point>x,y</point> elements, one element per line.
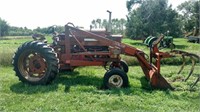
<point>179,52</point>
<point>195,56</point>
<point>198,79</point>
<point>182,66</point>
<point>192,69</point>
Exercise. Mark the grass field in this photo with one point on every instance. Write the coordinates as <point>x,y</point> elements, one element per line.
<point>81,90</point>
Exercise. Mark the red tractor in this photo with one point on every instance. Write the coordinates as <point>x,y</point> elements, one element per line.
<point>37,62</point>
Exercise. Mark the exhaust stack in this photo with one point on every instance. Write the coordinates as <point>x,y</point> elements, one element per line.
<point>109,28</point>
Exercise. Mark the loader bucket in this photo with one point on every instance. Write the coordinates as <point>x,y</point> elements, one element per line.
<point>157,81</point>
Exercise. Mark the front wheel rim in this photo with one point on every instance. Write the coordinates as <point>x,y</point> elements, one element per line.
<point>115,81</point>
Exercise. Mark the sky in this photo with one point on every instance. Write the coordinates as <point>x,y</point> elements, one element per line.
<point>44,13</point>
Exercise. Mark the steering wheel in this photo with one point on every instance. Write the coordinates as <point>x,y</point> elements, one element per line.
<point>70,24</point>
<point>39,37</point>
<point>52,29</point>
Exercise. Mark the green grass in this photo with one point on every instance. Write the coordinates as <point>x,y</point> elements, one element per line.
<point>81,90</point>
<point>7,48</point>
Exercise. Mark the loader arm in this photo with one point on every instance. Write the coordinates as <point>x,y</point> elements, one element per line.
<point>151,71</point>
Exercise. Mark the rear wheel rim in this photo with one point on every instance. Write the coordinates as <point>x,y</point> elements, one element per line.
<point>32,65</point>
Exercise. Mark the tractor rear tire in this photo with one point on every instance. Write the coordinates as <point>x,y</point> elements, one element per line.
<point>35,63</point>
<point>115,78</point>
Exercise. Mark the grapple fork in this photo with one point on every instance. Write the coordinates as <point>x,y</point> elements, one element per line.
<point>194,59</point>
<point>154,76</point>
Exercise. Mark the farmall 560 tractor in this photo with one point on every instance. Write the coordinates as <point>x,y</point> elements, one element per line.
<point>37,62</point>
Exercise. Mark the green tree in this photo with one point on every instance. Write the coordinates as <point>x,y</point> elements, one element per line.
<point>99,22</point>
<point>114,25</point>
<point>94,24</point>
<point>19,31</point>
<point>3,27</point>
<point>122,24</point>
<point>117,24</point>
<point>190,12</point>
<point>130,3</point>
<point>105,24</point>
<point>152,17</point>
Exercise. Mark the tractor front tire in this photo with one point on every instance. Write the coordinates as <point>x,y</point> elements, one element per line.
<point>122,65</point>
<point>115,78</point>
<point>35,63</point>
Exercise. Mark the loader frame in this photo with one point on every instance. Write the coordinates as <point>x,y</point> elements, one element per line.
<point>74,37</point>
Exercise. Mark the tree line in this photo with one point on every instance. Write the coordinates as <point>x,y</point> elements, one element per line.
<point>7,30</point>
<point>3,27</point>
<point>118,25</point>
<point>153,17</point>
<point>144,18</point>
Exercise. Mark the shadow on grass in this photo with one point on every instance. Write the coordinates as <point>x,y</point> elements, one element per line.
<point>181,47</point>
<point>137,44</point>
<point>69,79</point>
<point>65,78</point>
<point>131,90</point>
<point>145,84</point>
<point>73,79</point>
<point>22,88</point>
